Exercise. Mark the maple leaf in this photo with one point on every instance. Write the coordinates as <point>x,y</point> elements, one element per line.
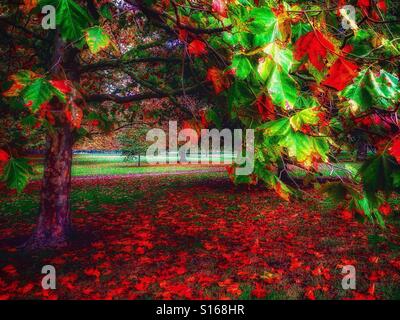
<point>10,269</point>
<point>219,6</point>
<point>218,79</point>
<point>92,272</point>
<point>234,289</point>
<point>347,214</point>
<point>4,156</point>
<point>381,5</point>
<point>197,48</point>
<point>309,293</point>
<point>364,5</point>
<point>28,5</point>
<point>316,46</point>
<point>341,74</point>
<point>385,209</point>
<point>394,150</point>
<point>265,108</point>
<point>259,291</point>
<point>20,81</point>
<point>281,192</point>
<point>63,86</point>
<point>97,39</point>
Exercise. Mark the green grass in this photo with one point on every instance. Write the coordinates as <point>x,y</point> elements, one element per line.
<point>106,164</point>
<point>341,169</point>
<point>92,165</point>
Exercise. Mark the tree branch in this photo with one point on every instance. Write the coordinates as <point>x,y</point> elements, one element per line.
<point>139,96</point>
<point>112,64</point>
<point>156,15</point>
<point>22,28</point>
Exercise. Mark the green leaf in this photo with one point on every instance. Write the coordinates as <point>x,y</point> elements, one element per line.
<point>97,39</point>
<point>377,174</point>
<point>371,90</point>
<point>264,26</point>
<point>39,92</point>
<point>299,29</point>
<point>16,173</point>
<point>273,181</point>
<point>281,56</point>
<point>336,190</point>
<point>19,81</point>
<point>105,11</point>
<point>213,117</point>
<point>306,116</point>
<point>71,18</point>
<point>304,148</point>
<point>282,88</point>
<point>242,65</point>
<point>265,67</point>
<point>278,127</point>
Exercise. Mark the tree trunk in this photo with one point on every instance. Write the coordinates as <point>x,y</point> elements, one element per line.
<point>362,150</point>
<point>54,225</point>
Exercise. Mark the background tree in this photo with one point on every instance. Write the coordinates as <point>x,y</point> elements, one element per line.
<point>133,143</point>
<point>102,58</point>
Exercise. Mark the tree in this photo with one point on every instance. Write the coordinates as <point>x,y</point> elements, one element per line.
<point>134,143</point>
<point>88,69</point>
<point>289,70</point>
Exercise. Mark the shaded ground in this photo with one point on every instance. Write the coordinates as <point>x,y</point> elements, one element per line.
<point>197,237</point>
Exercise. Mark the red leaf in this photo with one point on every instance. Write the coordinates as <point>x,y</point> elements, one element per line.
<point>381,5</point>
<point>62,85</point>
<point>182,35</point>
<point>347,214</point>
<point>259,292</point>
<point>385,209</point>
<point>219,6</point>
<point>28,5</point>
<point>92,272</point>
<point>197,48</point>
<point>94,123</point>
<point>10,269</point>
<point>74,115</point>
<point>265,108</point>
<point>394,150</point>
<point>309,293</point>
<point>4,156</point>
<point>316,46</point>
<point>341,74</point>
<point>218,79</point>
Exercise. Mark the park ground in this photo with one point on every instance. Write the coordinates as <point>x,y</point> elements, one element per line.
<point>193,235</point>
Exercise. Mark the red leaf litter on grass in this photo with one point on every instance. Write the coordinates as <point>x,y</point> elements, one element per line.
<point>315,46</point>
<point>207,241</point>
<point>197,48</point>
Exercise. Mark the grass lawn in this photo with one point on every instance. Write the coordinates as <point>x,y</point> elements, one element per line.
<point>197,236</point>
<point>93,165</point>
<point>112,165</point>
